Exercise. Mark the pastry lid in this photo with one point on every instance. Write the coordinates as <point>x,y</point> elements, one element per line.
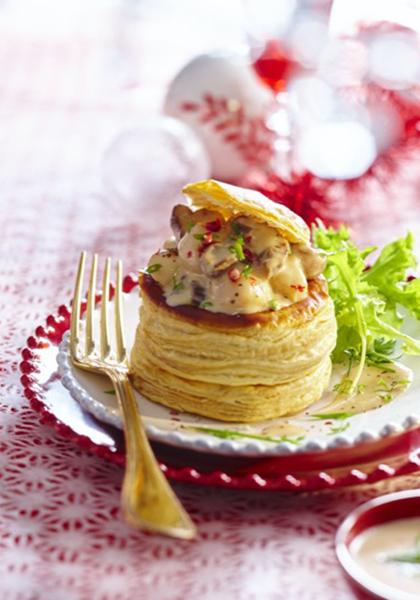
<point>231,200</point>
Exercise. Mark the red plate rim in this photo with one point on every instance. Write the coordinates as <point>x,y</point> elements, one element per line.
<point>264,474</point>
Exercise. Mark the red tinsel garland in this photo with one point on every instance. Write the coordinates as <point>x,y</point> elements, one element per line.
<point>313,197</point>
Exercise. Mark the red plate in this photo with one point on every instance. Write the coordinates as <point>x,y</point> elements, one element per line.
<point>368,463</point>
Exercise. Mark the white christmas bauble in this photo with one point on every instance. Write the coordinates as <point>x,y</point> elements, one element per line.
<point>151,163</point>
<point>337,149</point>
<point>222,99</point>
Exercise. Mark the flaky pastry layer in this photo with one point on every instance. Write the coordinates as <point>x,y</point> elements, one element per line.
<point>234,367</point>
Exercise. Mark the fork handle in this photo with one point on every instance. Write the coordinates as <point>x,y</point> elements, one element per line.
<point>148,501</point>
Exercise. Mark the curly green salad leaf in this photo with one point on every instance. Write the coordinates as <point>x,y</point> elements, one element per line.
<point>367,298</point>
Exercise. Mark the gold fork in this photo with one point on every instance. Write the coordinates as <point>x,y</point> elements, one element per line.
<point>148,501</point>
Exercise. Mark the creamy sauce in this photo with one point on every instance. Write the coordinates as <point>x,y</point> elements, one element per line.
<point>283,429</point>
<point>376,549</point>
<point>237,266</point>
<point>377,387</point>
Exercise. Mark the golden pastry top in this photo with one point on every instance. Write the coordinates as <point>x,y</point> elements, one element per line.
<point>231,200</point>
<point>231,261</point>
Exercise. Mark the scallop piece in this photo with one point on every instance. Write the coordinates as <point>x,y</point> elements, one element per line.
<point>188,252</point>
<point>290,280</point>
<point>162,266</point>
<point>241,296</point>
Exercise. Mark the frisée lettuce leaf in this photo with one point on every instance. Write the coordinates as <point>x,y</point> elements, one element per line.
<point>367,299</point>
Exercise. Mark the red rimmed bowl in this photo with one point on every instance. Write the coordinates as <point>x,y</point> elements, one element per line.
<point>378,511</point>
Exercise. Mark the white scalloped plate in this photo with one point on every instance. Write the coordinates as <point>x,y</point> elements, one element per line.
<point>94,394</point>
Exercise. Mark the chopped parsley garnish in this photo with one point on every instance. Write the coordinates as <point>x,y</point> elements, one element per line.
<point>153,268</point>
<point>273,305</point>
<point>236,228</point>
<point>385,398</point>
<point>205,304</point>
<point>110,392</point>
<point>344,386</point>
<point>246,271</point>
<point>366,299</point>
<point>384,392</point>
<point>177,285</point>
<point>412,557</point>
<point>390,387</point>
<point>238,247</point>
<point>385,387</point>
<point>198,236</point>
<point>189,227</point>
<point>339,428</point>
<point>232,434</point>
<point>339,416</point>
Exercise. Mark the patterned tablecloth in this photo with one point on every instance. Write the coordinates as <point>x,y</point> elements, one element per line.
<point>63,96</point>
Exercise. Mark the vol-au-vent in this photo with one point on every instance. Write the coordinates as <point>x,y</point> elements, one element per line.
<point>259,353</point>
<point>235,322</point>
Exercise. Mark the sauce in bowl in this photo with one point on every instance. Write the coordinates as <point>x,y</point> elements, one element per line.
<point>378,545</point>
<point>390,552</point>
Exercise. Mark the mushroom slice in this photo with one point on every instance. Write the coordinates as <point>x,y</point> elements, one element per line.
<point>198,292</point>
<point>204,216</point>
<point>215,259</point>
<point>273,258</point>
<point>183,219</point>
<point>313,263</point>
<point>180,219</point>
<point>243,224</point>
<point>290,280</point>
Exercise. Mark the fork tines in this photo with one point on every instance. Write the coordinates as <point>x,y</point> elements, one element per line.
<point>97,347</point>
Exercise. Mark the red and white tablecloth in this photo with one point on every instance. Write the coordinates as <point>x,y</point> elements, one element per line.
<point>65,91</point>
